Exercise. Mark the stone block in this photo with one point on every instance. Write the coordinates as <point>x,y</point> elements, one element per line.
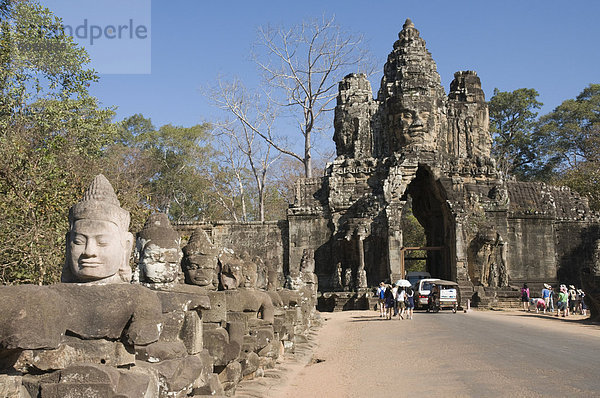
<point>105,311</point>
<point>12,387</point>
<point>250,364</point>
<point>31,317</point>
<point>177,375</point>
<point>218,308</point>
<point>272,350</point>
<point>212,388</point>
<point>275,298</point>
<point>234,301</point>
<point>231,375</point>
<point>191,333</point>
<point>90,381</point>
<point>74,350</point>
<point>250,344</point>
<point>264,335</point>
<point>161,351</point>
<point>172,324</point>
<point>236,332</point>
<point>184,298</point>
<point>215,341</point>
<point>77,390</point>
<point>134,384</point>
<point>239,317</point>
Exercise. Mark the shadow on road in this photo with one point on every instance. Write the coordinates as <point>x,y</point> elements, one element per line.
<point>576,319</point>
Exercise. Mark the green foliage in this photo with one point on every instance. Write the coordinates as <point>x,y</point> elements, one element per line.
<point>180,159</point>
<point>512,125</point>
<point>413,235</point>
<point>572,132</point>
<point>52,134</point>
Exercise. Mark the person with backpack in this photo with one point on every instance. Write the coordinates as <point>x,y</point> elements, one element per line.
<point>525,297</point>
<point>389,302</point>
<point>573,304</point>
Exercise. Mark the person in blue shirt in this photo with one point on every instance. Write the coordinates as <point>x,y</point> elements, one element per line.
<point>546,296</point>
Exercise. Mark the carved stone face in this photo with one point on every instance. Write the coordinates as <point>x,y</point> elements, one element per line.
<point>96,250</point>
<point>158,264</point>
<point>200,269</point>
<point>412,123</point>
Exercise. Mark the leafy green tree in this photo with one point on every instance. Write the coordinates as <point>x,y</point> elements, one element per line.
<point>178,162</point>
<point>413,235</point>
<point>512,124</point>
<point>572,133</point>
<point>52,136</point>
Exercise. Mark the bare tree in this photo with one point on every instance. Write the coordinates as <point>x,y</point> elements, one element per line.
<point>303,66</point>
<point>252,117</point>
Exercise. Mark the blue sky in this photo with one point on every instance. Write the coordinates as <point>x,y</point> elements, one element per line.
<point>548,45</point>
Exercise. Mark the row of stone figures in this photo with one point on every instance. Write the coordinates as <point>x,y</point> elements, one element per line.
<point>105,332</point>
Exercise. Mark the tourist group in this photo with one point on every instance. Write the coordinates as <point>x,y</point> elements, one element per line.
<point>568,300</point>
<point>395,301</point>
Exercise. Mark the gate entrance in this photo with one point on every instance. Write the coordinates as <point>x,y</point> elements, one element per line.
<point>424,248</point>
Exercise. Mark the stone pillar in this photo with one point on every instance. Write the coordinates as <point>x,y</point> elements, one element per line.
<point>361,274</point>
<point>395,241</point>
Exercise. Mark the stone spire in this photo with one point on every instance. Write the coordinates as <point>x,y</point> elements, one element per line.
<point>410,69</point>
<point>411,96</point>
<point>100,203</point>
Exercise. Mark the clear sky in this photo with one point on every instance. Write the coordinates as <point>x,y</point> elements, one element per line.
<point>552,46</point>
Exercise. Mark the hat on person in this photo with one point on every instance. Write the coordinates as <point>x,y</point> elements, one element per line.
<point>547,286</point>
<point>571,287</point>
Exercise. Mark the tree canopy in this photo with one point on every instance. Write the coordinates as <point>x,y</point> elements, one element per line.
<point>561,147</point>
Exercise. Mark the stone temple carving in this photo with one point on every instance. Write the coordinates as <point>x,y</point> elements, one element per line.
<point>157,253</point>
<point>200,261</point>
<point>98,242</point>
<point>485,231</point>
<point>157,337</point>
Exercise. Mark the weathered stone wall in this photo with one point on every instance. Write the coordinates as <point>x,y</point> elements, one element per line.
<point>532,255</point>
<point>265,240</point>
<point>129,341</point>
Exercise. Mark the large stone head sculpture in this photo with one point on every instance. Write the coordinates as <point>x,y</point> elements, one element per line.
<point>157,251</point>
<point>98,242</point>
<point>411,94</point>
<point>200,260</point>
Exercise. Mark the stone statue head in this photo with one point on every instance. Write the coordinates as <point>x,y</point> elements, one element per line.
<point>98,242</point>
<point>157,251</point>
<point>200,260</point>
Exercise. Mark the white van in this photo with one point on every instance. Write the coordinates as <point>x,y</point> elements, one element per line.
<point>422,289</point>
<point>414,276</point>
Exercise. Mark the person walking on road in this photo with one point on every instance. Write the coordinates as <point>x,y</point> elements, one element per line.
<point>381,299</point>
<point>400,299</point>
<point>411,302</point>
<point>525,297</point>
<point>395,293</point>
<point>389,302</point>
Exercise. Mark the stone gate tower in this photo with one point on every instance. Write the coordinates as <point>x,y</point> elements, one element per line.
<point>415,140</point>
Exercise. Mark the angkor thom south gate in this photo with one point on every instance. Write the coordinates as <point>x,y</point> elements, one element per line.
<point>414,140</point>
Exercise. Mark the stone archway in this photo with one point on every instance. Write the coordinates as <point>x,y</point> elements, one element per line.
<point>430,208</point>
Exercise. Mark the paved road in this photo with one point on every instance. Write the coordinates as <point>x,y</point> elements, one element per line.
<point>479,354</point>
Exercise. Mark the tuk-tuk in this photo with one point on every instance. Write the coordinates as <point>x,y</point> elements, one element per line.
<point>444,294</point>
